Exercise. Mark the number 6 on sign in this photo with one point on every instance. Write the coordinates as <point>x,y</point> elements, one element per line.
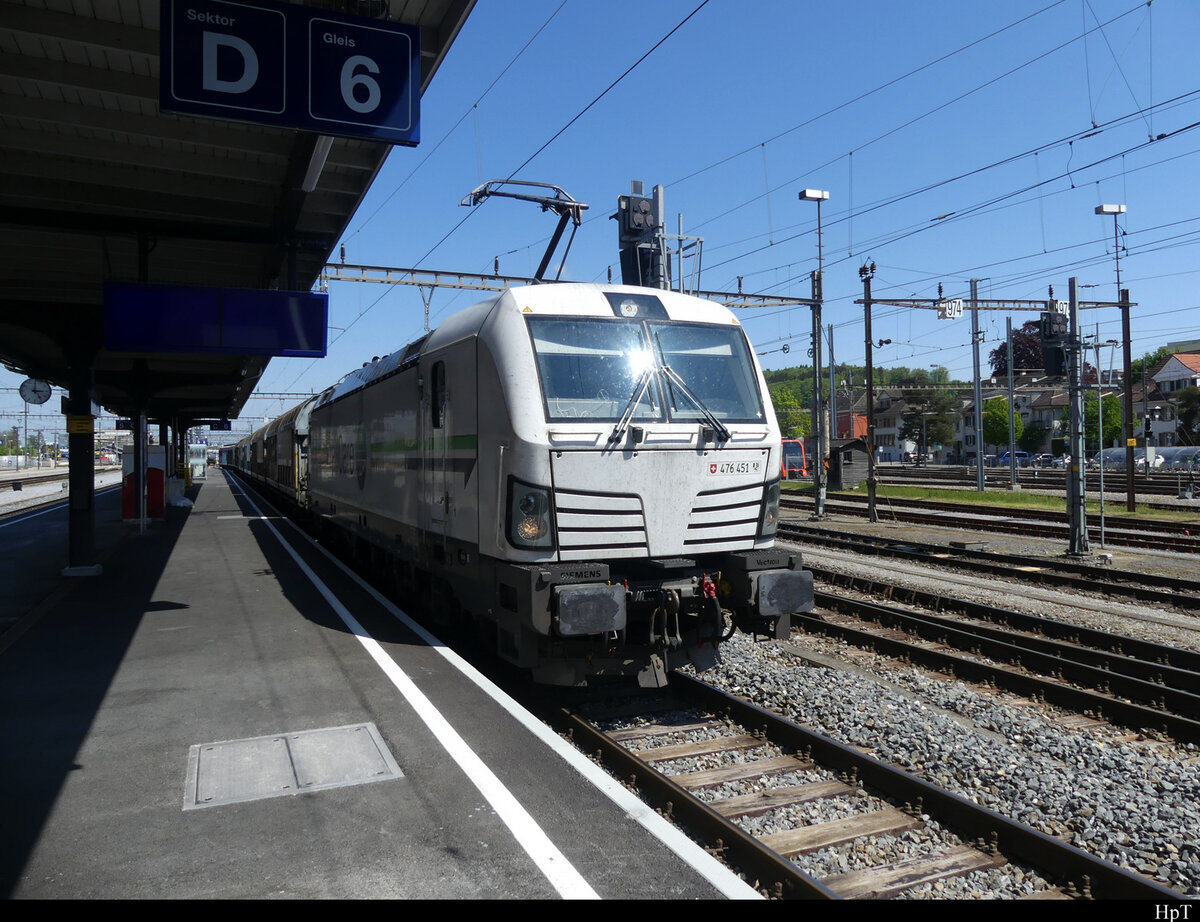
<point>351,81</point>
<point>361,74</point>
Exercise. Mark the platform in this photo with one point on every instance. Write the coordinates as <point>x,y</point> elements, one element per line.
<point>199,721</point>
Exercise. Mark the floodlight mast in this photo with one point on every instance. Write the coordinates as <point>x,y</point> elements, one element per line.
<point>1116,211</point>
<point>560,203</point>
<point>819,436</point>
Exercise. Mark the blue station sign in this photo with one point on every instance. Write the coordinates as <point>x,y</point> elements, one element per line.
<point>292,66</point>
<point>221,321</point>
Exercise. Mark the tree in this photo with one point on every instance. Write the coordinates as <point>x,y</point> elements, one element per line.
<point>1112,419</point>
<point>928,416</point>
<point>1113,425</point>
<point>798,381</point>
<point>794,421</point>
<point>995,422</point>
<point>1027,351</point>
<point>1033,438</point>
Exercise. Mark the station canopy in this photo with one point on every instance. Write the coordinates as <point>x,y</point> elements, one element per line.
<point>100,185</point>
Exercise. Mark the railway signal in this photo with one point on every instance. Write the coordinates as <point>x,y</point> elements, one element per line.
<point>639,220</point>
<point>1054,338</point>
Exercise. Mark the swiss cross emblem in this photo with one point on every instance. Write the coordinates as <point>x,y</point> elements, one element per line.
<point>712,468</point>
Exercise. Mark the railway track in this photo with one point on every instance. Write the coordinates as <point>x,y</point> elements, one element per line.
<point>1174,537</point>
<point>1118,522</point>
<point>1143,686</point>
<point>18,483</point>
<point>1159,483</point>
<point>1177,593</point>
<point>718,765</point>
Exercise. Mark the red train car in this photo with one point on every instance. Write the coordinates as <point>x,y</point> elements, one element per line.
<point>794,460</point>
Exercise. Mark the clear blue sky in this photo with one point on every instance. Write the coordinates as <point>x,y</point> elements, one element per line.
<point>904,112</point>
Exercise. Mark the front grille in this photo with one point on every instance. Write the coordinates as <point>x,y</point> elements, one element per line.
<point>598,525</point>
<point>724,519</point>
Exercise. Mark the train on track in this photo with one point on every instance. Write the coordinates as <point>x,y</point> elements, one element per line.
<point>589,473</point>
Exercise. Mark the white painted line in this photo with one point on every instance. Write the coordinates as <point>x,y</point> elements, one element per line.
<point>717,874</point>
<point>569,883</point>
<point>57,505</point>
<point>32,515</point>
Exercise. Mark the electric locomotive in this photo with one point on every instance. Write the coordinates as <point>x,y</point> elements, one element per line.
<point>589,472</point>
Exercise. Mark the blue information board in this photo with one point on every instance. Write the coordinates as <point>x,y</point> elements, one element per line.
<point>228,321</point>
<point>292,66</point>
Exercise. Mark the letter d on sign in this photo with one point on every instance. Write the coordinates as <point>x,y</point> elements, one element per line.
<point>212,44</point>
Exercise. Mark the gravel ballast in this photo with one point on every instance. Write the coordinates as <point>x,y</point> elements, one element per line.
<point>1135,803</point>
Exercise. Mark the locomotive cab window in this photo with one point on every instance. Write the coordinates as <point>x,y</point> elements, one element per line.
<point>592,368</point>
<point>714,371</point>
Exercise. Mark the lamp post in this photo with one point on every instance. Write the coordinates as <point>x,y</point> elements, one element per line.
<point>1116,211</point>
<point>818,196</point>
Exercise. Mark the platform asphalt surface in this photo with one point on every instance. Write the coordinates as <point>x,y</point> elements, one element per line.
<point>204,629</point>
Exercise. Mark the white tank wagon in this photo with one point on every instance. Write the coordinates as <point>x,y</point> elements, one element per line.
<point>592,472</point>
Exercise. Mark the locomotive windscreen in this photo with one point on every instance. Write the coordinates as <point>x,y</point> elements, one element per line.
<point>592,368</point>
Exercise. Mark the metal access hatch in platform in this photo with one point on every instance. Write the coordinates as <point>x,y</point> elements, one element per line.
<point>284,764</point>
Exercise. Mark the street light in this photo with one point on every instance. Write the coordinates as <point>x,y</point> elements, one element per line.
<point>1116,211</point>
<point>818,196</point>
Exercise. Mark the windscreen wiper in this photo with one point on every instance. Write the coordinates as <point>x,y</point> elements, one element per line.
<point>643,383</point>
<point>719,427</point>
<point>722,432</point>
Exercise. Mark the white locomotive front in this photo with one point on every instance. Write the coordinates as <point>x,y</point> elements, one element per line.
<point>591,470</point>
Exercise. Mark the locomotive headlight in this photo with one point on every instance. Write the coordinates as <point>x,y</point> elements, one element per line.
<point>531,528</point>
<point>532,503</point>
<point>529,516</point>
<point>770,513</point>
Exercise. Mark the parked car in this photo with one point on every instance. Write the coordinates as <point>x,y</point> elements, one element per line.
<point>1114,459</point>
<point>1021,456</point>
<point>1041,459</point>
